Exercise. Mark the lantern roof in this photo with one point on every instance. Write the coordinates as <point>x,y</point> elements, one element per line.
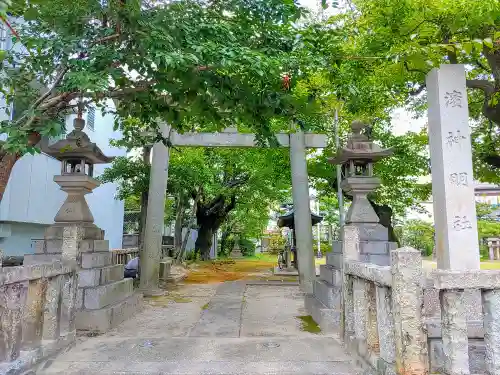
<point>77,144</point>
<point>287,220</point>
<point>360,147</point>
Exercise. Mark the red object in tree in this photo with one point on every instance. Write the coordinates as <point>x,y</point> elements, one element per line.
<point>286,82</point>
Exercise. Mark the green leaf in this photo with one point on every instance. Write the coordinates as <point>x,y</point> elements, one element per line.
<point>467,47</point>
<point>488,42</point>
<point>31,14</point>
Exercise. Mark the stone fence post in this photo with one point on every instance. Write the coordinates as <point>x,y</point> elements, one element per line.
<point>407,300</point>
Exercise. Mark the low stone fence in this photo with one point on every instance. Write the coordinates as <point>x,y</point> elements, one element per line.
<point>397,319</point>
<point>37,314</point>
<point>123,256</point>
<point>381,322</point>
<point>455,289</point>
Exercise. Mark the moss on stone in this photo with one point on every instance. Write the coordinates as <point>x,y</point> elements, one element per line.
<point>308,324</point>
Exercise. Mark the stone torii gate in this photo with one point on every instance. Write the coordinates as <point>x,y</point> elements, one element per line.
<point>296,140</point>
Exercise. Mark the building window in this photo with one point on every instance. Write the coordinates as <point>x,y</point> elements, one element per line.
<point>4,37</point>
<point>91,118</point>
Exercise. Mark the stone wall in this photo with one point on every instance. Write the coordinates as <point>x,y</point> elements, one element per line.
<point>382,314</point>
<point>397,320</point>
<point>37,314</point>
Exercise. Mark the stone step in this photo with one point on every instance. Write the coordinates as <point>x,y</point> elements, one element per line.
<point>104,295</point>
<point>105,355</point>
<point>376,247</point>
<point>89,246</point>
<point>335,259</point>
<point>330,274</point>
<point>103,320</point>
<point>95,260</point>
<point>327,294</point>
<point>30,259</point>
<point>234,367</point>
<point>100,276</point>
<point>327,319</point>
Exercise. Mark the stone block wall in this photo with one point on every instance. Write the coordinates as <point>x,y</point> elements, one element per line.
<point>37,314</point>
<point>397,320</point>
<point>104,298</point>
<point>382,325</point>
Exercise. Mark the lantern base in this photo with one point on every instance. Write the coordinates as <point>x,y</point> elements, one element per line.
<point>75,207</point>
<point>361,210</point>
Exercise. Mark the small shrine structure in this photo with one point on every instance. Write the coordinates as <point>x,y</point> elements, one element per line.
<point>288,221</point>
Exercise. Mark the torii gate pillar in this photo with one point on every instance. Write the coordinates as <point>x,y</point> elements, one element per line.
<point>302,211</point>
<point>297,141</point>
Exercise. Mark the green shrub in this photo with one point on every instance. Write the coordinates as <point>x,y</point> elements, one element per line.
<point>325,246</point>
<point>247,247</point>
<point>226,247</point>
<point>418,234</point>
<point>276,243</point>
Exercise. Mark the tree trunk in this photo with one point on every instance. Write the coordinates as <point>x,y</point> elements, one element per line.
<point>204,241</point>
<point>7,163</point>
<point>146,158</point>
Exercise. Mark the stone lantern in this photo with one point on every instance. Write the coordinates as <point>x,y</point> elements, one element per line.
<point>78,156</point>
<point>357,160</point>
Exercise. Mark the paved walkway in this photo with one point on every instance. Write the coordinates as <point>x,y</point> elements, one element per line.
<point>228,328</point>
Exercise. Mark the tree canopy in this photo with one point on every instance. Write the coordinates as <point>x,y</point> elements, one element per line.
<point>258,65</point>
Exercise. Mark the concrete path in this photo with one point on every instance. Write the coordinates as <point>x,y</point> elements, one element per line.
<point>228,328</point>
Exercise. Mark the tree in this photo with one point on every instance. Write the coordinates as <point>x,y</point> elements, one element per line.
<point>193,64</point>
<point>224,184</point>
<point>418,234</point>
<point>403,40</point>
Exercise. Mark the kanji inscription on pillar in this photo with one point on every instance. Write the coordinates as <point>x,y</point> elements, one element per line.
<point>459,179</point>
<point>453,98</point>
<point>452,176</point>
<point>455,138</point>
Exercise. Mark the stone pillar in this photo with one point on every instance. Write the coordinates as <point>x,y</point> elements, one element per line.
<point>348,308</point>
<point>491,316</point>
<point>372,333</point>
<point>454,332</point>
<point>150,255</point>
<point>407,298</point>
<point>52,308</point>
<point>452,180</point>
<point>12,302</point>
<point>302,211</point>
<point>385,323</point>
<point>360,299</point>
<point>33,314</point>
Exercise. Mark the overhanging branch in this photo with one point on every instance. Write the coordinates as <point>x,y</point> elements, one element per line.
<point>481,84</point>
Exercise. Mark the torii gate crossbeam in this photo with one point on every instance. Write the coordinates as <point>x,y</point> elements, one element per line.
<point>297,141</point>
